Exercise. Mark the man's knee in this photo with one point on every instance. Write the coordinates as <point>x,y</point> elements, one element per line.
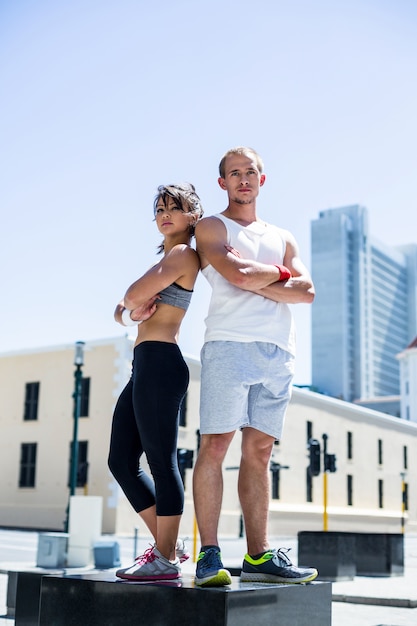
<point>257,446</point>
<point>215,446</point>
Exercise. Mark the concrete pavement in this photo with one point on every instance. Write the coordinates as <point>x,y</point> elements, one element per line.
<point>364,601</point>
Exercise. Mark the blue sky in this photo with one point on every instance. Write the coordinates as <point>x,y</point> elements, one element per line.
<point>102,101</point>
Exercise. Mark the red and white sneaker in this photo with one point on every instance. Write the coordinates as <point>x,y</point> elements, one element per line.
<point>151,565</point>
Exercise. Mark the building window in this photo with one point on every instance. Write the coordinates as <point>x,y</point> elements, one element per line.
<point>380,494</point>
<point>31,401</point>
<point>85,397</point>
<point>405,497</point>
<point>350,490</point>
<point>182,413</point>
<point>350,445</point>
<point>380,455</point>
<point>309,431</point>
<point>27,465</point>
<point>309,484</point>
<point>405,458</point>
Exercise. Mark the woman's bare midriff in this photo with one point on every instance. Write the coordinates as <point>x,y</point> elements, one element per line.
<point>164,325</point>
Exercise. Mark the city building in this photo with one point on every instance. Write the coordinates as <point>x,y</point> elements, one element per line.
<point>365,310</point>
<point>408,371</point>
<point>375,455</point>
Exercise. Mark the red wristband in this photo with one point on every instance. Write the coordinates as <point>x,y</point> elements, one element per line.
<point>285,273</point>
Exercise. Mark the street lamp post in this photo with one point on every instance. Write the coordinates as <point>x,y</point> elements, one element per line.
<point>325,515</point>
<point>78,362</point>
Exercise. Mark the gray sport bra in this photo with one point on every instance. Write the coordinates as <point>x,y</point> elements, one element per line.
<point>176,296</point>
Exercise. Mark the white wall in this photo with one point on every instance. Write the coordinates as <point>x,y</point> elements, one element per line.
<point>107,363</point>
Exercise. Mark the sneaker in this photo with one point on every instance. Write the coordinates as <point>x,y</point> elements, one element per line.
<point>210,572</point>
<point>151,565</point>
<point>139,558</point>
<point>182,550</point>
<point>274,566</point>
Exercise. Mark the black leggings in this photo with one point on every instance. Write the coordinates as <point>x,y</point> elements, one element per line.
<point>145,420</point>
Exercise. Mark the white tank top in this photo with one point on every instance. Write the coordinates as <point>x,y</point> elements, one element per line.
<point>238,315</point>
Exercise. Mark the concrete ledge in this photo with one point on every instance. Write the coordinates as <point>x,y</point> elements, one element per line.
<point>393,591</point>
<point>403,603</point>
<point>102,600</point>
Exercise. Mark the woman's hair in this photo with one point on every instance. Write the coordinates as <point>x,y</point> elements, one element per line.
<point>184,196</point>
<point>248,152</point>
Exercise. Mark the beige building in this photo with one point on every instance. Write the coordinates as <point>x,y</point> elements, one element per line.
<point>376,455</point>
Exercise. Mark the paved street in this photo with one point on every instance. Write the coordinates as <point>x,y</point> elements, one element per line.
<point>20,547</point>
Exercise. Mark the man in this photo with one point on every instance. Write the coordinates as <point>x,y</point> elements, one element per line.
<point>247,366</point>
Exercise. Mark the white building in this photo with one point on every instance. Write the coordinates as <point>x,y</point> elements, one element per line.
<point>408,377</point>
<point>372,450</point>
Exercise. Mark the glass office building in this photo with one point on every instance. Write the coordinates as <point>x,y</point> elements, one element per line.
<point>365,310</point>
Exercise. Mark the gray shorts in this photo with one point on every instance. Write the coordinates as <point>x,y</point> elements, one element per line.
<point>244,384</point>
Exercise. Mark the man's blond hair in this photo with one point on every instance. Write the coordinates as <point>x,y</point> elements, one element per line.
<point>249,152</point>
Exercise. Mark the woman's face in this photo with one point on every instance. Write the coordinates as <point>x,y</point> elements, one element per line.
<point>170,216</point>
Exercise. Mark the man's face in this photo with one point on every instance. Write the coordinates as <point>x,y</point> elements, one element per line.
<point>242,179</point>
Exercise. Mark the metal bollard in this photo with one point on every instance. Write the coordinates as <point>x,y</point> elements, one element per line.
<point>135,543</point>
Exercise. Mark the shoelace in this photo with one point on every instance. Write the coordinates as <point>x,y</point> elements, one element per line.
<point>281,553</point>
<point>147,557</point>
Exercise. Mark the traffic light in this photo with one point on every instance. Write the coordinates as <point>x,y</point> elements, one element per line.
<point>185,460</point>
<point>82,474</point>
<point>314,452</point>
<point>275,470</point>
<point>330,462</point>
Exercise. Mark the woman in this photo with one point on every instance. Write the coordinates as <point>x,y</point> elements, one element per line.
<point>146,415</point>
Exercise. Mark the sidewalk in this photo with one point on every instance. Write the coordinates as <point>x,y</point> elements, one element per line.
<point>364,601</point>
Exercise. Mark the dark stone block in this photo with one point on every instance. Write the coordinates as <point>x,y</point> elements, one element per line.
<point>379,554</point>
<point>28,592</point>
<point>11,593</point>
<point>18,601</point>
<point>341,556</point>
<point>102,600</point>
<point>332,553</point>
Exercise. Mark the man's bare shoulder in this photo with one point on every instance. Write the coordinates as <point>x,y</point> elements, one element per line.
<point>209,219</point>
<point>208,225</point>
